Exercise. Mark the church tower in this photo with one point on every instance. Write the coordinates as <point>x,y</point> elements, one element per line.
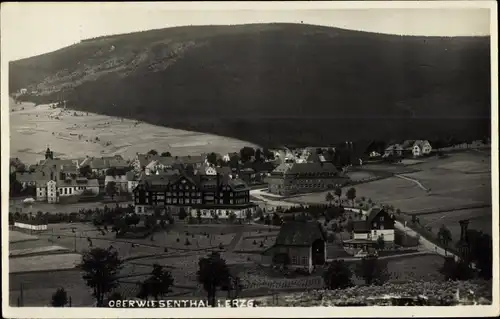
<point>49,154</point>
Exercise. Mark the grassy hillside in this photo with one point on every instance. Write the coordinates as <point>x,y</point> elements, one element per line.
<point>280,83</point>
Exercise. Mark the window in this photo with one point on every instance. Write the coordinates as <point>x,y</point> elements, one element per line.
<point>381,218</point>
<point>304,260</point>
<point>294,260</point>
<point>382,227</point>
<point>187,201</point>
<point>374,225</point>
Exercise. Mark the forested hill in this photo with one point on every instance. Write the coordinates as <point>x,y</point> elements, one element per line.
<point>274,83</point>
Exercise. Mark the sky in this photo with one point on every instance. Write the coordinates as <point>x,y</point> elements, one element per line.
<point>51,26</point>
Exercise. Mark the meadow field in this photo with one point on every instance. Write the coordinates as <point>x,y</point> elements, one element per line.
<point>72,134</point>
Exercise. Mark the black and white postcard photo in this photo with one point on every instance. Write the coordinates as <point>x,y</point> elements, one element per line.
<point>249,159</point>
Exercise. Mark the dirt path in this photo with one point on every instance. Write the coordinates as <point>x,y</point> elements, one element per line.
<point>414,181</point>
<point>235,241</point>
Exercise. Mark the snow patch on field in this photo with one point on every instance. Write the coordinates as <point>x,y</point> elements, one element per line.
<point>36,250</point>
<point>15,236</point>
<point>44,263</point>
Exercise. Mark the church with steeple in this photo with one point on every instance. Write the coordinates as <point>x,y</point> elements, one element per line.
<point>49,154</point>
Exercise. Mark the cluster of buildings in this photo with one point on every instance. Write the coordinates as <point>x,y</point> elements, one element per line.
<point>152,181</point>
<point>304,243</point>
<point>408,148</point>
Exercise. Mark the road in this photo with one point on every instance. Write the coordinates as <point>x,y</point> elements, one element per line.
<point>422,241</point>
<point>257,193</point>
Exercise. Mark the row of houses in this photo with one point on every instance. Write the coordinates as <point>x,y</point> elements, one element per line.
<point>412,148</point>
<point>54,178</point>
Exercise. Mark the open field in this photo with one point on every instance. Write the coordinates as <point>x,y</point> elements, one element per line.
<point>36,250</point>
<point>75,136</point>
<point>17,236</point>
<point>454,182</point>
<point>424,268</point>
<point>16,205</point>
<point>43,263</point>
<point>37,288</point>
<point>479,219</point>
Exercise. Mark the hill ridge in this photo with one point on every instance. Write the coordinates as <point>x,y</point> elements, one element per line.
<point>225,79</point>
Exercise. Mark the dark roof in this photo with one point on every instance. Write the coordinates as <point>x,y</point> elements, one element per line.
<point>373,213</point>
<point>300,233</point>
<point>361,226</point>
<point>225,170</point>
<point>300,168</point>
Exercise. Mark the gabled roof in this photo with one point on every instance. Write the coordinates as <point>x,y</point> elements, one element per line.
<point>80,181</point>
<point>300,168</point>
<point>300,233</point>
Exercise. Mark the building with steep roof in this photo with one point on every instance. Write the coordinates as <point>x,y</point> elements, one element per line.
<point>302,243</point>
<point>197,194</point>
<point>377,223</point>
<point>295,178</point>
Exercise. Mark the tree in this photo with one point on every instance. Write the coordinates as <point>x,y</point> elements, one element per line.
<point>232,217</point>
<point>100,268</point>
<point>373,271</point>
<point>182,213</point>
<point>268,154</point>
<point>153,152</point>
<point>234,161</point>
<point>456,270</point>
<point>481,252</point>
<point>150,222</point>
<point>212,274</point>
<point>111,189</point>
<point>248,215</point>
<point>212,158</point>
<point>246,153</point>
<point>338,275</point>
<point>166,154</point>
<point>329,198</point>
<point>444,235</point>
<point>276,220</point>
<point>338,192</point>
<point>258,155</point>
<point>156,285</point>
<point>85,170</point>
<point>351,195</point>
<point>59,298</point>
<point>380,243</point>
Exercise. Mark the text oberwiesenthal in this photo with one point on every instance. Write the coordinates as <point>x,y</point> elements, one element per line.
<point>237,303</point>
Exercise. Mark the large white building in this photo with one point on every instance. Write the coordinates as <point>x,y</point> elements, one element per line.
<point>54,190</point>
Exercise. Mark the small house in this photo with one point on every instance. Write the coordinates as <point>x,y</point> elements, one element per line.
<point>299,244</point>
<point>378,223</point>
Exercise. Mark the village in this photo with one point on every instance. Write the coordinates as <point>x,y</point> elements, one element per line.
<point>280,219</point>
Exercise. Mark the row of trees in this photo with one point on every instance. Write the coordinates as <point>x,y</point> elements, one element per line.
<point>101,267</point>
